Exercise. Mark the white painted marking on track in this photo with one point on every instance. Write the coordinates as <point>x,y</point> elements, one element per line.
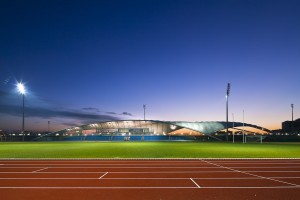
<point>39,170</point>
<point>119,167</point>
<point>242,178</point>
<point>289,167</point>
<point>160,172</point>
<point>158,167</point>
<point>49,178</point>
<point>103,175</point>
<point>252,174</point>
<point>54,187</point>
<point>195,182</point>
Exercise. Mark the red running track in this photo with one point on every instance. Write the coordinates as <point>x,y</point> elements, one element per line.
<point>150,179</point>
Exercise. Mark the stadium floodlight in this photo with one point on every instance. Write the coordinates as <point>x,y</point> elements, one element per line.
<point>22,91</point>
<point>228,89</point>
<point>227,95</point>
<point>21,88</point>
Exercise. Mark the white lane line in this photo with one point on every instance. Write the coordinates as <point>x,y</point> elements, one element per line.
<point>103,175</point>
<point>161,172</point>
<point>100,164</point>
<point>249,178</point>
<point>54,187</point>
<point>120,167</point>
<point>39,170</point>
<point>291,167</point>
<point>252,174</point>
<point>49,178</point>
<point>195,182</point>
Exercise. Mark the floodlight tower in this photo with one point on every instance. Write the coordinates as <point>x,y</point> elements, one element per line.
<point>227,95</point>
<point>22,91</point>
<point>144,106</point>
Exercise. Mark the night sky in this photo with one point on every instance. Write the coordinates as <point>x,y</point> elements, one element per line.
<point>88,61</point>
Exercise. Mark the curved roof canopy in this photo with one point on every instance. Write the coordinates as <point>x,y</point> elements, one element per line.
<point>164,127</point>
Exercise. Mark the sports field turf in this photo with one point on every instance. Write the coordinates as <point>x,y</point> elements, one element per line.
<point>147,150</point>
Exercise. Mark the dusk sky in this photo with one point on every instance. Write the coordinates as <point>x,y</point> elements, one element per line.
<point>88,61</point>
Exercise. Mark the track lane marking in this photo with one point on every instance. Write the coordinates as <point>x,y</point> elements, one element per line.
<point>271,187</point>
<point>160,172</point>
<point>195,183</point>
<point>39,170</point>
<point>246,172</point>
<point>243,178</point>
<point>103,175</point>
<point>116,167</point>
<point>291,167</point>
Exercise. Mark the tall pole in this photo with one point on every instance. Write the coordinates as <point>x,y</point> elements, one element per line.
<point>227,95</point>
<point>23,116</point>
<point>243,128</point>
<point>48,126</point>
<point>22,91</point>
<point>232,127</point>
<point>292,105</point>
<point>144,106</point>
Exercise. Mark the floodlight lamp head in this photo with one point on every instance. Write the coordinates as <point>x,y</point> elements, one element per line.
<point>228,90</point>
<point>21,88</point>
<point>292,105</point>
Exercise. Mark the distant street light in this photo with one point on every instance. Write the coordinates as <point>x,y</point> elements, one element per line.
<point>22,91</point>
<point>227,95</point>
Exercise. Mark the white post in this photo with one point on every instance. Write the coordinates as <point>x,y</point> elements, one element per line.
<point>232,127</point>
<point>243,128</point>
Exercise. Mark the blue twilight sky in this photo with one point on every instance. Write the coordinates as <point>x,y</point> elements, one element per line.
<point>85,61</point>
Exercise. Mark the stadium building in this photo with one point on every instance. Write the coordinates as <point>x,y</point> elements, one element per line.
<point>291,126</point>
<point>155,130</point>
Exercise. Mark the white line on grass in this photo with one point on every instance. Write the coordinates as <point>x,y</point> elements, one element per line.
<point>195,182</point>
<point>103,175</point>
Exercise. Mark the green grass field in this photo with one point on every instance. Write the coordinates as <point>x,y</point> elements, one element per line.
<point>147,150</point>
